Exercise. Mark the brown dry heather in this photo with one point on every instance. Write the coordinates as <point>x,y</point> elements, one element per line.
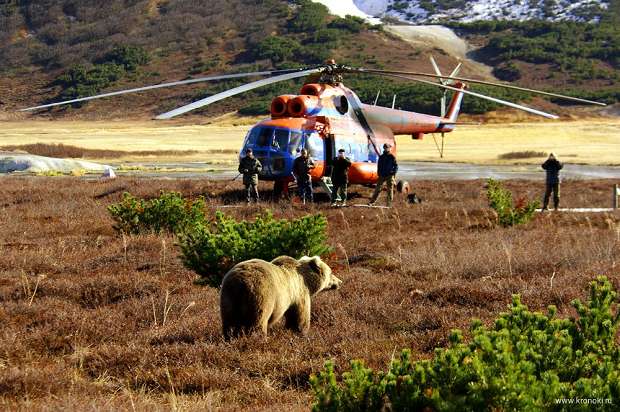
<point>94,320</point>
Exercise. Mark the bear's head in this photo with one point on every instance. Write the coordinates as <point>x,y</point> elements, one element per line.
<point>317,274</point>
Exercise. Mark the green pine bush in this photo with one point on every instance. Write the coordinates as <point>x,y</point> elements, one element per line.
<point>211,248</point>
<point>170,212</point>
<point>526,361</point>
<point>508,214</point>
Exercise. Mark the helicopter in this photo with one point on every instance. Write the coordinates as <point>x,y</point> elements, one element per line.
<point>327,116</point>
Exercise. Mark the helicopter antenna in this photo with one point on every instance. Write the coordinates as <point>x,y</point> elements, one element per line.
<point>377,97</point>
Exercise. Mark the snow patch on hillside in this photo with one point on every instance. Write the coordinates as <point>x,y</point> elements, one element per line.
<point>412,11</point>
<point>343,8</point>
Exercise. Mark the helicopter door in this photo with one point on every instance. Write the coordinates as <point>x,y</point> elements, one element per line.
<point>330,154</point>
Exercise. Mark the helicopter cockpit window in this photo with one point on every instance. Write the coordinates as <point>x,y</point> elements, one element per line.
<point>280,139</point>
<point>260,136</point>
<point>314,145</point>
<point>264,136</point>
<point>295,144</point>
<point>342,104</point>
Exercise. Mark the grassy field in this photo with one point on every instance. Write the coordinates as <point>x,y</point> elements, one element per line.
<point>92,320</point>
<point>583,141</point>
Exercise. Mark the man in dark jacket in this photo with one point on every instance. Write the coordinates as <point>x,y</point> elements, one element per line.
<point>386,169</point>
<point>250,167</point>
<point>340,179</point>
<point>301,170</point>
<point>552,166</point>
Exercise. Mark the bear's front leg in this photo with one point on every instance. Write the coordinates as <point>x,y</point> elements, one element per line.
<point>298,316</point>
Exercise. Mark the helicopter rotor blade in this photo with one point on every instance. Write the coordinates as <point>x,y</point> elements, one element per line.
<point>456,70</point>
<point>481,96</point>
<point>436,67</point>
<point>162,85</point>
<point>356,105</point>
<point>232,92</point>
<point>463,79</point>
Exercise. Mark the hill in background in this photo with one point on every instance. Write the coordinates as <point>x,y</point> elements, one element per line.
<point>61,49</point>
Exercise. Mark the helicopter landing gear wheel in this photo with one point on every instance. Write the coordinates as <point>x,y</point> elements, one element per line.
<point>403,187</point>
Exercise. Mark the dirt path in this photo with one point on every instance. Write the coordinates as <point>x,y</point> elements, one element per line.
<point>435,36</point>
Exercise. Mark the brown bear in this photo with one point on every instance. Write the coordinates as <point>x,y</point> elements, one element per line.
<point>256,294</point>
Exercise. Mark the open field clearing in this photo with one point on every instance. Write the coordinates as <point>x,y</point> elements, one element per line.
<point>92,320</point>
<point>583,141</point>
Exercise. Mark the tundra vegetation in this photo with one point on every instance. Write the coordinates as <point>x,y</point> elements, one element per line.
<point>96,319</point>
<point>509,212</point>
<point>211,246</point>
<point>525,361</point>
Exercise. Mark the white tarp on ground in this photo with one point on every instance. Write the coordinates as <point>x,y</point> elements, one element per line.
<point>24,162</point>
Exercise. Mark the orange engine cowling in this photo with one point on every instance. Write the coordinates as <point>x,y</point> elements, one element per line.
<point>303,105</point>
<point>311,89</point>
<point>279,105</point>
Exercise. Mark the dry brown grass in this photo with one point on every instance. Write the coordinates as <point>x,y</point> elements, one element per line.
<point>594,141</point>
<point>116,322</point>
<point>69,151</point>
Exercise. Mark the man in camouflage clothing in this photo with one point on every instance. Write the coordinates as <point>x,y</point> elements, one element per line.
<point>250,167</point>
<point>301,170</point>
<point>386,169</point>
<point>340,179</point>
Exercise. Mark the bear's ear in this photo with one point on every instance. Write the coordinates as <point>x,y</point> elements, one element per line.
<point>315,264</point>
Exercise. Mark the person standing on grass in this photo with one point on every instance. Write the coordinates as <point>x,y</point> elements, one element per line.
<point>302,166</point>
<point>340,179</point>
<point>552,166</point>
<point>250,167</point>
<point>386,169</point>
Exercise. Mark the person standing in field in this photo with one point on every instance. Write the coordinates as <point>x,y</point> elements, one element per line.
<point>302,166</point>
<point>340,179</point>
<point>250,167</point>
<point>552,166</point>
<point>386,169</point>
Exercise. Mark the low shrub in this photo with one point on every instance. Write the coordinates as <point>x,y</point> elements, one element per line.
<point>526,361</point>
<point>508,214</point>
<point>525,154</point>
<point>211,248</point>
<point>169,212</point>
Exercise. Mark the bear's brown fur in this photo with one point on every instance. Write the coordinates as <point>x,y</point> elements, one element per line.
<point>255,294</point>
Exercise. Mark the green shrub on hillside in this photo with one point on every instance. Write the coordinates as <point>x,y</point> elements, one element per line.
<point>348,23</point>
<point>581,51</point>
<point>130,57</point>
<point>309,17</point>
<point>508,214</point>
<point>80,81</point>
<point>211,248</point>
<point>526,361</point>
<point>277,48</point>
<point>170,212</point>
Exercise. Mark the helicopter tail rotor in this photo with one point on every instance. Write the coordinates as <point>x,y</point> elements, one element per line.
<point>445,82</point>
